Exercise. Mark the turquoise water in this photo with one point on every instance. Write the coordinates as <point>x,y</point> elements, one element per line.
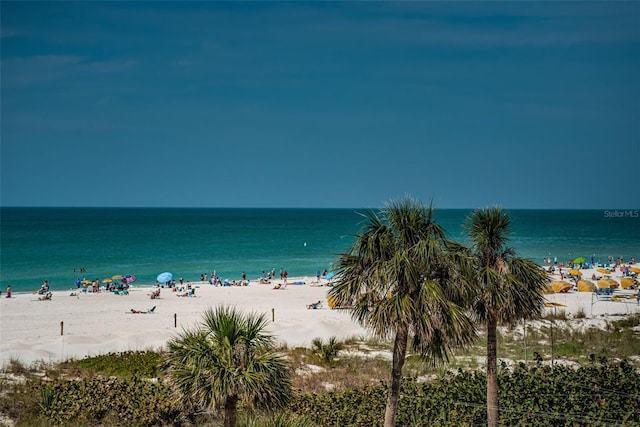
<point>49,243</point>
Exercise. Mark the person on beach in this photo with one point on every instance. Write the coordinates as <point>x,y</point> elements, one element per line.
<point>314,305</point>
<point>285,275</point>
<point>9,291</point>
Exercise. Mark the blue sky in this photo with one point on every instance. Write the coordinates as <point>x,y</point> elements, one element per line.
<point>332,104</point>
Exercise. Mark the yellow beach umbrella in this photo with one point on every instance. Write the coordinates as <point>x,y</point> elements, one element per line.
<point>575,272</point>
<point>627,282</point>
<point>586,286</point>
<point>634,269</point>
<point>603,271</point>
<point>107,280</point>
<point>560,286</point>
<point>607,283</point>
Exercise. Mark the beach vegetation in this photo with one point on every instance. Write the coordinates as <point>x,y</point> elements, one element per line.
<point>580,313</point>
<point>555,315</point>
<point>326,351</point>
<point>509,288</point>
<point>48,398</point>
<point>630,321</point>
<point>16,366</point>
<point>401,280</point>
<point>229,359</point>
<point>600,393</point>
<point>146,364</point>
<point>359,383</point>
<point>278,420</point>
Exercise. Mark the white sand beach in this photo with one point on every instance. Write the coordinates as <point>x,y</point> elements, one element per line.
<point>99,323</point>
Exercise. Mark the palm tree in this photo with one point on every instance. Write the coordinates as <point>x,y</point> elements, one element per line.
<point>509,287</point>
<point>229,358</point>
<point>401,280</point>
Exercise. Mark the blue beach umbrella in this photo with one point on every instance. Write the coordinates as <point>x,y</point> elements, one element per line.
<point>329,275</point>
<point>164,277</point>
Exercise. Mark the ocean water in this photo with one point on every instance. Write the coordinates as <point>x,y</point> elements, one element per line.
<point>54,243</point>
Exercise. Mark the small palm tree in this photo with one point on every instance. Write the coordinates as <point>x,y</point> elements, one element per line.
<point>327,351</point>
<point>402,279</point>
<point>229,358</point>
<point>509,287</point>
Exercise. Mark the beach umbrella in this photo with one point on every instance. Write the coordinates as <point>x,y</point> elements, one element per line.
<point>607,283</point>
<point>560,286</point>
<point>330,275</point>
<point>603,271</point>
<point>634,269</point>
<point>164,277</point>
<point>129,278</point>
<point>579,260</point>
<point>117,277</point>
<point>627,282</point>
<point>575,272</point>
<point>547,289</point>
<point>86,282</point>
<point>107,280</point>
<point>586,286</point>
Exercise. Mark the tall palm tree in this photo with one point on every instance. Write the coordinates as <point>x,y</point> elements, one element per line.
<point>227,359</point>
<point>402,280</point>
<point>509,287</point>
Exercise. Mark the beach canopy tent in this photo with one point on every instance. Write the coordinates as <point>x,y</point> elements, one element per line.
<point>575,272</point>
<point>586,286</point>
<point>560,286</point>
<point>607,283</point>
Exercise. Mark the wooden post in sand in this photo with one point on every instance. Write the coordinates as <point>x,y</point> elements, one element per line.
<point>273,314</point>
<point>61,327</point>
<point>175,320</point>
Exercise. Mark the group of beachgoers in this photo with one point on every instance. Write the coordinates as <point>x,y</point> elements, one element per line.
<point>580,263</point>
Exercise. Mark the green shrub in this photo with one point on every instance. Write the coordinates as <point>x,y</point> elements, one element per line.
<point>327,352</point>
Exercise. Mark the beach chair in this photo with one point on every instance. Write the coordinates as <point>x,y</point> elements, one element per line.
<point>151,310</point>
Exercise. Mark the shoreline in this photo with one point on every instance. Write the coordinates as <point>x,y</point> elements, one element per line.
<point>75,326</point>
